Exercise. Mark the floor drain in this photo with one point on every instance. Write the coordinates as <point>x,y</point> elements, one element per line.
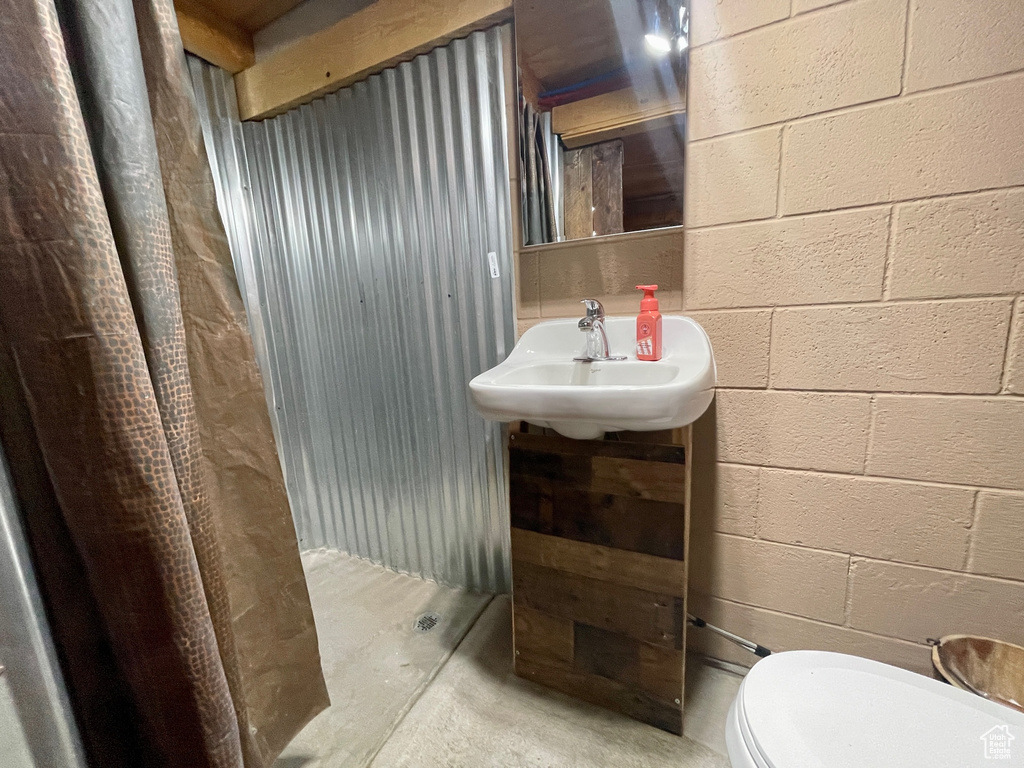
<point>426,622</point>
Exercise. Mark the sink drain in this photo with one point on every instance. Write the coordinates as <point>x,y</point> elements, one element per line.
<point>426,622</point>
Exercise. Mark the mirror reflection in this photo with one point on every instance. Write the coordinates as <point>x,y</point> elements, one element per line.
<point>602,96</point>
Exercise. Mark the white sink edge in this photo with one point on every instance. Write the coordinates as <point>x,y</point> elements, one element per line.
<point>582,410</point>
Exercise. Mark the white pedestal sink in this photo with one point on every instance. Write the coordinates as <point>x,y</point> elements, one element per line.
<point>540,383</point>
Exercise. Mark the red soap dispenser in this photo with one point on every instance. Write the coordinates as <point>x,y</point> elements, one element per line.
<point>648,325</point>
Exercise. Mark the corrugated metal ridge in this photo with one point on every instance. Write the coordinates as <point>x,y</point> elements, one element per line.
<point>360,226</point>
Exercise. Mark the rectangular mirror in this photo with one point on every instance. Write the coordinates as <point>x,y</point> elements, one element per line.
<point>602,98</point>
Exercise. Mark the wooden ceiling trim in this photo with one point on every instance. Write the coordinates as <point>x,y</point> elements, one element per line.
<point>212,37</point>
<point>250,15</point>
<point>379,36</point>
<point>614,115</point>
<point>566,41</point>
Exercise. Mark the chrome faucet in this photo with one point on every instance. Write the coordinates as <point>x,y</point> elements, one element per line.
<point>597,338</point>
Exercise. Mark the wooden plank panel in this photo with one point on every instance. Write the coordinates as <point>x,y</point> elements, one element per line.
<point>379,36</point>
<point>568,469</point>
<point>542,637</point>
<point>602,474</point>
<point>605,693</point>
<point>578,193</point>
<point>556,444</point>
<point>600,609</point>
<point>212,37</point>
<point>630,569</point>
<point>646,479</point>
<point>649,616</point>
<point>651,668</point>
<point>607,187</point>
<point>633,524</point>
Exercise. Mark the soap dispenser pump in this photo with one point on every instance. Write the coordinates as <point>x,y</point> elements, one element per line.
<point>648,325</point>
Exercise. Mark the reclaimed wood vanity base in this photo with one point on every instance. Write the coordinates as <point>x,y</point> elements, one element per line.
<point>599,539</point>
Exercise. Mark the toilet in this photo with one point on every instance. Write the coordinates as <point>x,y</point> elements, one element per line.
<point>805,709</point>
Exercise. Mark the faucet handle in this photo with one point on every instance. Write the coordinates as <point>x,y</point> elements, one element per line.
<point>594,308</point>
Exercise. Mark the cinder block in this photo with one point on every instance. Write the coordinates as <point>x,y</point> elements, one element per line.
<point>714,19</point>
<point>1015,353</point>
<point>726,501</point>
<point>609,269</point>
<point>957,140</point>
<point>968,440</point>
<point>997,541</point>
<point>740,341</point>
<point>780,632</point>
<point>734,178</point>
<point>802,6</point>
<point>959,246</point>
<point>952,41</point>
<point>802,430</point>
<point>884,519</point>
<point>915,603</point>
<point>796,580</point>
<point>527,285</point>
<point>827,258</point>
<point>848,55</point>
<point>953,346</point>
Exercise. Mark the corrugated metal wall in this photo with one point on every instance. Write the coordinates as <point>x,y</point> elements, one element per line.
<point>361,226</point>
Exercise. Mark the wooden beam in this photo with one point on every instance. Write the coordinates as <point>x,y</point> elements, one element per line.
<point>530,85</point>
<point>212,37</point>
<point>379,36</point>
<point>614,115</point>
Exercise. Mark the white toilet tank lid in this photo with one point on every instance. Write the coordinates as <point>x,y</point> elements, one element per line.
<point>802,709</point>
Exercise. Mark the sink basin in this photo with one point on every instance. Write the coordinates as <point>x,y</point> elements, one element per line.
<point>540,383</point>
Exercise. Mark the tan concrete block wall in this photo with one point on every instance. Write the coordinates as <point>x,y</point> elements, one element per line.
<point>1013,378</point>
<point>729,501</point>
<point>958,139</point>
<point>789,579</point>
<point>968,440</point>
<point>786,632</point>
<point>740,341</point>
<point>779,261</point>
<point>714,19</point>
<point>803,430</point>
<point>735,178</point>
<point>968,245</point>
<point>949,346</point>
<point>855,250</point>
<point>998,539</point>
<point>952,41</point>
<point>731,88</point>
<point>855,514</point>
<point>802,6</point>
<point>554,278</point>
<point>856,187</point>
<point>915,603</point>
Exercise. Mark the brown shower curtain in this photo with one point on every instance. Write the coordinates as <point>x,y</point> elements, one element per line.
<point>131,409</point>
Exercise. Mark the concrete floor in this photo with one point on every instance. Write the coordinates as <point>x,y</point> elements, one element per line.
<point>449,699</point>
<point>375,664</point>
